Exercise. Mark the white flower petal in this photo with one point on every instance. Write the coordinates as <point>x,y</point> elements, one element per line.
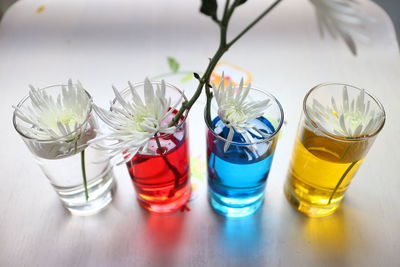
<point>341,18</point>
<point>352,120</point>
<point>229,138</point>
<point>343,125</point>
<point>133,122</point>
<point>148,93</point>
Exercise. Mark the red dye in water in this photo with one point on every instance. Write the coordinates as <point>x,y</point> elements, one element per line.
<point>161,176</point>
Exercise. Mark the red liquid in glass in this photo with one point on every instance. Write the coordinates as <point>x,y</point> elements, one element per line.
<point>162,181</point>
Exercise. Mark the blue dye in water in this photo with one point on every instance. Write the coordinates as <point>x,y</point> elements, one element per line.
<point>237,177</point>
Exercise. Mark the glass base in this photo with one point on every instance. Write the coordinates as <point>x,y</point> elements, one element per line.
<point>169,204</point>
<point>235,207</point>
<point>100,191</point>
<point>307,208</point>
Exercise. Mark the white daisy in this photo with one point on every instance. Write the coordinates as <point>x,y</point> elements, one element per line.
<point>353,118</point>
<point>236,112</point>
<point>341,18</point>
<point>133,122</point>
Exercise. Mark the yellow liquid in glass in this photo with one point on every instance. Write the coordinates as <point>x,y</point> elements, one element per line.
<point>320,172</point>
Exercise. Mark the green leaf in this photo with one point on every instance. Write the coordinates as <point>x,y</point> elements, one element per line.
<point>187,77</point>
<point>241,2</point>
<point>209,8</point>
<point>173,64</point>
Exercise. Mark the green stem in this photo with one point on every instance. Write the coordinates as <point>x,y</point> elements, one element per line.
<point>170,166</point>
<point>341,180</point>
<point>84,174</point>
<point>222,48</point>
<point>226,7</point>
<point>346,150</point>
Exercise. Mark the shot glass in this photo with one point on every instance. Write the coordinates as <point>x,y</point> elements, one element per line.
<point>338,125</point>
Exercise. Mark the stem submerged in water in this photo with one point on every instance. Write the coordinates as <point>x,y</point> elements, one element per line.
<point>83,166</point>
<point>341,180</point>
<point>170,166</point>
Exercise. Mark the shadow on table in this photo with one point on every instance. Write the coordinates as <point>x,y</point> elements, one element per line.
<point>240,240</point>
<point>163,235</point>
<point>332,238</point>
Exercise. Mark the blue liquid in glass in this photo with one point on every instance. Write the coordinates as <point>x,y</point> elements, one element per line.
<point>237,177</point>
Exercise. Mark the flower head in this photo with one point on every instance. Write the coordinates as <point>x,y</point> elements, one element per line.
<point>355,118</point>
<point>133,122</point>
<point>55,118</point>
<point>49,118</point>
<point>236,111</point>
<point>341,18</point>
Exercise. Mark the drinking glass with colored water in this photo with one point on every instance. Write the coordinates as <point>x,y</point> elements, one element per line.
<point>160,170</point>
<point>238,167</point>
<point>338,126</point>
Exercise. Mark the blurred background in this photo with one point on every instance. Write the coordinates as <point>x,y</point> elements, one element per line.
<point>392,7</point>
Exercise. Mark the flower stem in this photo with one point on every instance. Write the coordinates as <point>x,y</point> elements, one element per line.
<point>223,47</point>
<point>341,180</point>
<point>170,166</point>
<point>84,174</point>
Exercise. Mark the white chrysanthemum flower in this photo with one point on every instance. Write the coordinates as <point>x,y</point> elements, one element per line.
<point>54,120</point>
<point>50,118</point>
<point>236,111</point>
<point>133,122</point>
<point>353,118</point>
<point>341,18</point>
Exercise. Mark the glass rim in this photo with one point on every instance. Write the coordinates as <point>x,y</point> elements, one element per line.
<point>269,138</point>
<point>337,137</point>
<point>184,114</point>
<point>61,138</point>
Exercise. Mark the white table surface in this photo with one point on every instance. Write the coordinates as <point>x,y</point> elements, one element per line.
<point>109,42</point>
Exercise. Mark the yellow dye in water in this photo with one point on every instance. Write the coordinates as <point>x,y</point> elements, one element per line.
<point>320,172</point>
